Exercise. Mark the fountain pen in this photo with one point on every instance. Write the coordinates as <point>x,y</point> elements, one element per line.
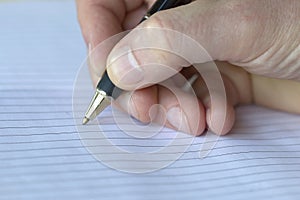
<point>106,90</point>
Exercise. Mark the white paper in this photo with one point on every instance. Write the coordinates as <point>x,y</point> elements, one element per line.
<point>42,156</point>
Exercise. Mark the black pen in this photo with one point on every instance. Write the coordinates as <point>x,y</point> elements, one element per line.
<point>105,89</point>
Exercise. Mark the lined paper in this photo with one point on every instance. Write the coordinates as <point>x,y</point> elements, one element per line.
<point>42,156</point>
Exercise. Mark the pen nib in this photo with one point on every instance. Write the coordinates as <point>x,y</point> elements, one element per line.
<point>85,121</point>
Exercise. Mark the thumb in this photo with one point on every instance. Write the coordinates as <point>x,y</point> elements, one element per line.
<point>156,49</point>
<point>199,32</point>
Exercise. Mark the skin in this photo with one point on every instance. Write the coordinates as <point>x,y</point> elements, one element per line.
<point>255,43</point>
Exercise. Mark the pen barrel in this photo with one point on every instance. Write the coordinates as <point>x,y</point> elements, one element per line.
<point>164,5</point>
<point>108,87</point>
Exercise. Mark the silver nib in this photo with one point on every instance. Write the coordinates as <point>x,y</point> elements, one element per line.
<point>85,121</point>
<point>99,102</point>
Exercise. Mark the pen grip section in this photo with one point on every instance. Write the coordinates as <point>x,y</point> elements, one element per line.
<point>164,5</point>
<point>108,87</point>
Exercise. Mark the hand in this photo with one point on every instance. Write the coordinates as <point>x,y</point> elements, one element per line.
<point>261,36</point>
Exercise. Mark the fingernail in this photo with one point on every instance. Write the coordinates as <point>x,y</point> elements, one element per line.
<point>89,53</point>
<point>95,60</point>
<point>89,50</point>
<point>91,62</point>
<point>178,119</point>
<point>208,117</point>
<point>126,67</point>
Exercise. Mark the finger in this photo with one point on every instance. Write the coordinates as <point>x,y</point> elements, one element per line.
<point>177,109</point>
<point>239,78</point>
<point>184,112</point>
<point>133,18</point>
<point>220,114</point>
<point>138,103</point>
<point>219,107</point>
<point>135,14</point>
<point>99,20</point>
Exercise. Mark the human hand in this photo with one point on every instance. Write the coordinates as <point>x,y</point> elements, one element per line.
<point>256,35</point>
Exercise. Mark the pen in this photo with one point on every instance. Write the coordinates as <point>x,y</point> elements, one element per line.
<point>105,89</point>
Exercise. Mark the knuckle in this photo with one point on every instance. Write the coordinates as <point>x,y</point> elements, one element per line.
<point>237,24</point>
<point>241,13</point>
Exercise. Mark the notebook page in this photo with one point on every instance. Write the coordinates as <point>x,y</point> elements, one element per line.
<point>42,156</point>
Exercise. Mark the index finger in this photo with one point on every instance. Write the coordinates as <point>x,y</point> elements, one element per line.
<point>99,20</point>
